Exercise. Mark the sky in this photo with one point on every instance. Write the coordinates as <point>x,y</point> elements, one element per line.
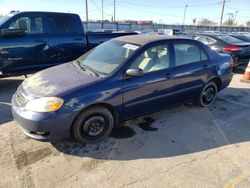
<point>160,11</point>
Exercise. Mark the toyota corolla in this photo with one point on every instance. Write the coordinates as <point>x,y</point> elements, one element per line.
<point>121,79</point>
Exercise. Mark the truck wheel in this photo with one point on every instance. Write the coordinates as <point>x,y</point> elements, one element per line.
<point>207,95</point>
<point>93,125</point>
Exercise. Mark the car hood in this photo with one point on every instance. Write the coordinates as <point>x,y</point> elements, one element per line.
<point>56,80</point>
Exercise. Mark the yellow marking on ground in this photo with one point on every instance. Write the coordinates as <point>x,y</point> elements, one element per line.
<point>237,180</point>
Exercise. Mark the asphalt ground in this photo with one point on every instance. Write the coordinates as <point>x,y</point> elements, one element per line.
<point>185,146</point>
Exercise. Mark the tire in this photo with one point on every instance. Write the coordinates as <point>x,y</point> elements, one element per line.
<point>93,125</point>
<point>208,95</point>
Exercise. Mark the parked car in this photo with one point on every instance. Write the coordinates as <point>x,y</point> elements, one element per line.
<point>244,33</point>
<point>241,37</point>
<point>121,79</point>
<point>104,30</point>
<point>178,32</point>
<point>148,32</point>
<point>168,32</point>
<point>31,41</point>
<point>222,43</point>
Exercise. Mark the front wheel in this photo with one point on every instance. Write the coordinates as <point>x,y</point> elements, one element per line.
<point>208,94</point>
<point>93,125</point>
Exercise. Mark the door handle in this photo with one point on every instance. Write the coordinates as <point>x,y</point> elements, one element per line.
<point>40,40</point>
<point>168,76</point>
<point>205,67</point>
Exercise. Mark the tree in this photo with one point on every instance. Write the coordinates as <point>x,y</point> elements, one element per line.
<point>207,22</point>
<point>248,24</point>
<point>229,23</point>
<point>194,21</point>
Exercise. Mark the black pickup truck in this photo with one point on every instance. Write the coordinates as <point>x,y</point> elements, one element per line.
<point>32,41</point>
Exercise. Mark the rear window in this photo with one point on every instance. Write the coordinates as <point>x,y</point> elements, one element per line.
<point>229,39</point>
<point>202,39</point>
<point>62,24</point>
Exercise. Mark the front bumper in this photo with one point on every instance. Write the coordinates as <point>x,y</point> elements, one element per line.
<point>43,126</point>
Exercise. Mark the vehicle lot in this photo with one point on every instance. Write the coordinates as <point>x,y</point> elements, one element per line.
<point>185,146</point>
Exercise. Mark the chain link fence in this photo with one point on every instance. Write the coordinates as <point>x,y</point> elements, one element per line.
<point>139,27</point>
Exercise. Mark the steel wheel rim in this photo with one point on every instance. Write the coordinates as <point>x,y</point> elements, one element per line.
<point>94,126</point>
<point>208,95</point>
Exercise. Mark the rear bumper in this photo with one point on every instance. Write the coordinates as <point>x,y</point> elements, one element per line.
<point>43,126</point>
<point>226,79</point>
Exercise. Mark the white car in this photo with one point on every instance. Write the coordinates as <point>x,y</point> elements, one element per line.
<point>168,32</point>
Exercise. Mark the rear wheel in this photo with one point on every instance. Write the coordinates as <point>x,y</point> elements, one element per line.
<point>93,125</point>
<point>208,94</point>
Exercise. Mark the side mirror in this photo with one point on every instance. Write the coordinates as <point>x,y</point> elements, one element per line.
<point>134,72</point>
<point>12,32</point>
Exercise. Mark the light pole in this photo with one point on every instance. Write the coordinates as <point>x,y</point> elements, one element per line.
<point>114,10</point>
<point>222,12</point>
<point>102,14</point>
<point>184,17</point>
<point>87,14</point>
<point>235,15</point>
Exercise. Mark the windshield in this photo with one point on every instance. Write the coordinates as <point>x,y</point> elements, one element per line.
<point>105,58</point>
<point>5,18</point>
<point>230,39</point>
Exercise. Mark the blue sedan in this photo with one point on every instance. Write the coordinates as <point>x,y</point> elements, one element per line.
<point>121,79</point>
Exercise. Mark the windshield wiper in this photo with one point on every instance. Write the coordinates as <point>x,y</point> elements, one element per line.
<point>84,67</point>
<point>78,65</point>
<point>87,68</point>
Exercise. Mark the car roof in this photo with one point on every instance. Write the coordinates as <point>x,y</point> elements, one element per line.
<point>145,39</point>
<point>42,12</point>
<point>209,34</point>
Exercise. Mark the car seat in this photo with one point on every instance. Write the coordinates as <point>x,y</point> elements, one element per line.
<point>144,61</point>
<point>163,61</point>
<point>22,24</point>
<point>154,59</point>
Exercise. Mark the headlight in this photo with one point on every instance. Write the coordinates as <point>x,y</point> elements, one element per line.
<point>44,104</point>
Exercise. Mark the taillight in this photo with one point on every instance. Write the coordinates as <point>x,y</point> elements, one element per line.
<point>232,48</point>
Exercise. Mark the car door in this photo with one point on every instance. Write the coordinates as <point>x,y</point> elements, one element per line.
<point>66,41</point>
<point>152,90</point>
<point>23,53</point>
<point>191,71</point>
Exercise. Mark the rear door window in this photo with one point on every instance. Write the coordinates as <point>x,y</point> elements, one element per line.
<point>62,24</point>
<point>186,53</point>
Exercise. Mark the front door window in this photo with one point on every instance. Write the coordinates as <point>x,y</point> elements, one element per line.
<point>153,59</point>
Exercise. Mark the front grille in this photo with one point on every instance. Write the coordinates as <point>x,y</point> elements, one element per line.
<point>20,100</point>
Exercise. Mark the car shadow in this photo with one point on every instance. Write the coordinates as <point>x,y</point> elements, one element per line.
<point>240,69</point>
<point>8,87</point>
<point>177,131</point>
